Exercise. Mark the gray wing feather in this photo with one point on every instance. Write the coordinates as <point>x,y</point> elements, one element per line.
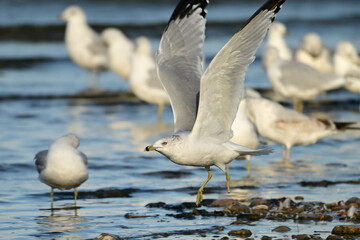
<point>40,160</point>
<point>84,158</point>
<point>179,60</point>
<point>153,80</point>
<point>96,45</point>
<point>305,77</point>
<point>222,84</point>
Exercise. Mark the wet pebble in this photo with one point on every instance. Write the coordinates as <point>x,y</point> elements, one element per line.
<point>299,198</point>
<point>240,233</point>
<point>266,238</point>
<point>305,237</point>
<point>334,237</point>
<point>249,216</point>
<point>315,217</point>
<point>236,208</point>
<point>353,200</point>
<point>128,215</point>
<point>343,230</point>
<point>281,229</point>
<point>107,236</point>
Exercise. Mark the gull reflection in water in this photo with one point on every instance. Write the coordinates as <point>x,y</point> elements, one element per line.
<point>61,219</point>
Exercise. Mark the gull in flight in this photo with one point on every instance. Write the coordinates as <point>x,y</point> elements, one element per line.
<point>62,166</point>
<point>84,45</point>
<point>205,104</point>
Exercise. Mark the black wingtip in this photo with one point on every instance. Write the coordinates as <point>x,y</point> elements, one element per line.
<point>187,7</point>
<point>268,5</point>
<point>346,126</point>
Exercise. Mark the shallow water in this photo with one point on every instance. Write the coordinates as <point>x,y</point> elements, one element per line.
<point>114,132</point>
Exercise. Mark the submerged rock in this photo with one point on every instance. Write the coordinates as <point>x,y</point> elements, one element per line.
<point>281,229</point>
<point>107,236</point>
<point>343,230</point>
<point>240,233</point>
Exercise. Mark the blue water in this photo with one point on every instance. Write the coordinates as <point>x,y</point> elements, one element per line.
<point>114,133</point>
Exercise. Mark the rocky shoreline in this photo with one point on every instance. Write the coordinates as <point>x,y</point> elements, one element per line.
<point>251,211</point>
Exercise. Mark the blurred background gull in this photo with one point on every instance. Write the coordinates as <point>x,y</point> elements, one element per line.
<point>43,95</point>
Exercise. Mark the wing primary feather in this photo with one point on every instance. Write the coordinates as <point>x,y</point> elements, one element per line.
<point>269,5</point>
<point>187,7</point>
<point>222,84</point>
<point>179,60</point>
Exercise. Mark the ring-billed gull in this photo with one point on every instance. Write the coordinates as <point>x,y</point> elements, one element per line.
<point>298,81</point>
<point>244,131</point>
<point>144,80</point>
<point>120,51</point>
<point>288,127</point>
<point>313,53</point>
<point>275,39</point>
<point>84,45</point>
<point>347,64</point>
<point>62,166</point>
<point>205,104</point>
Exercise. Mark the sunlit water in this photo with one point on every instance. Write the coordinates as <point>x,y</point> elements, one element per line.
<point>113,133</point>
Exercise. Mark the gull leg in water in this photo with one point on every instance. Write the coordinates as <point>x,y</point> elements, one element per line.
<point>52,195</point>
<point>248,164</point>
<point>75,195</point>
<point>286,154</point>
<point>201,189</point>
<point>298,105</point>
<point>228,181</point>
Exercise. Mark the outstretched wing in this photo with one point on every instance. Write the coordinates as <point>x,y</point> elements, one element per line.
<point>222,84</point>
<point>179,60</point>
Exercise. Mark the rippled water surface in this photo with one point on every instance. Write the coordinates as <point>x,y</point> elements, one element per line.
<point>38,85</point>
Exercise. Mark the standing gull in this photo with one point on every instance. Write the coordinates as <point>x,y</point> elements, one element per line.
<point>287,126</point>
<point>313,53</point>
<point>244,131</point>
<point>275,39</point>
<point>347,64</point>
<point>292,79</point>
<point>84,45</point>
<point>62,166</point>
<point>205,104</point>
<point>120,50</point>
<point>144,80</point>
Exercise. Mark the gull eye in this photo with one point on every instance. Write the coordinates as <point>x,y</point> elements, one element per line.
<point>163,143</point>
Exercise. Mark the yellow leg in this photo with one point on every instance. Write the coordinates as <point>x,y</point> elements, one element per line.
<point>248,164</point>
<point>75,194</point>
<point>298,105</point>
<point>228,181</point>
<point>52,194</point>
<point>301,107</point>
<point>286,154</point>
<point>200,191</point>
<point>160,111</point>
